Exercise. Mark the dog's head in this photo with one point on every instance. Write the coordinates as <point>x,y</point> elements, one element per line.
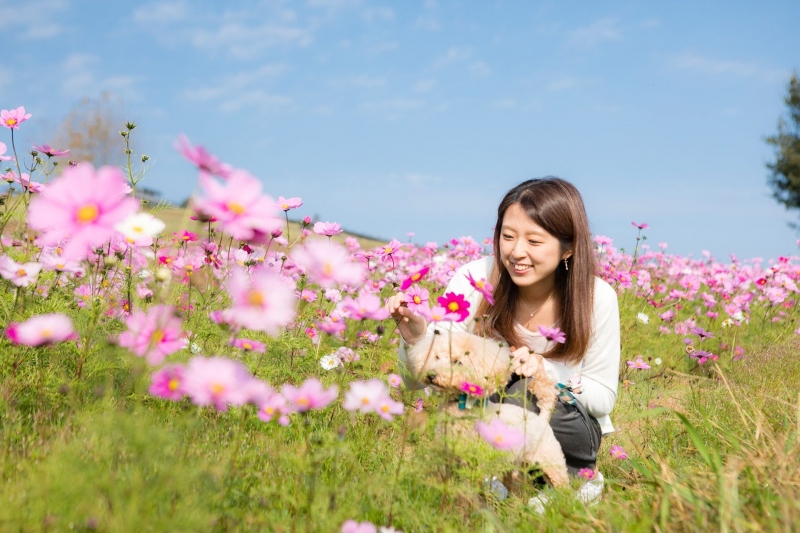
<point>451,361</point>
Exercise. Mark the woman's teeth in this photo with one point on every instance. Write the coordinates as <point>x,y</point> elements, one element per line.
<point>521,268</point>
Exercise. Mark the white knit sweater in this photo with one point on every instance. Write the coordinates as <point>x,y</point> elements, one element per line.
<point>599,368</point>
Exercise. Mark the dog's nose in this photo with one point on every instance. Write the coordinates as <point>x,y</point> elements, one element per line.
<point>430,376</point>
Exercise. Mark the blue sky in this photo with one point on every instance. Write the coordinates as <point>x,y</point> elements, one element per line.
<point>417,116</point>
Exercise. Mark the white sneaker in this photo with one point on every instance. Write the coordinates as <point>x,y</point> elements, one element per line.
<point>589,493</point>
<point>538,502</point>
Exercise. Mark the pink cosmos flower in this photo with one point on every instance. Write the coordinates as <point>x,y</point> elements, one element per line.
<point>153,334</point>
<point>639,364</point>
<point>553,334</point>
<point>351,526</point>
<point>49,151</point>
<point>602,240</point>
<point>310,395</point>
<point>274,406</point>
<point>455,304</point>
<point>216,381</point>
<point>640,226</point>
<point>42,329</point>
<point>481,285</point>
<point>261,303</point>
<point>416,296</point>
<point>587,473</point>
<point>167,382</point>
<point>500,435</point>
<point>57,264</point>
<point>3,149</point>
<point>328,229</point>
<point>328,264</point>
<point>249,345</point>
<point>472,389</point>
<point>20,274</point>
<point>366,306</point>
<point>11,119</point>
<point>437,313</point>
<point>83,204</point>
<point>289,203</point>
<point>238,205</point>
<point>205,162</point>
<point>394,380</point>
<point>414,278</point>
<point>364,396</point>
<point>387,408</point>
<point>618,452</point>
<point>387,250</point>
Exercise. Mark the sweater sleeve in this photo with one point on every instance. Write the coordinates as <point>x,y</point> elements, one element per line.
<point>600,366</point>
<point>458,284</point>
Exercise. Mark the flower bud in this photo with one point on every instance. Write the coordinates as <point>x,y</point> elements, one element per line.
<point>163,274</point>
<point>110,260</point>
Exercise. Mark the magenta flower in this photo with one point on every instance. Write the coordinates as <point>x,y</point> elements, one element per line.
<point>20,274</point>
<point>500,435</point>
<point>365,396</point>
<point>366,306</point>
<point>414,278</point>
<point>289,203</point>
<point>83,204</point>
<point>167,382</point>
<point>700,332</point>
<point>3,149</point>
<point>394,380</point>
<point>261,303</point>
<point>640,226</point>
<point>11,119</point>
<point>472,389</point>
<point>387,250</point>
<point>50,151</point>
<point>328,264</point>
<point>639,364</point>
<point>239,207</point>
<point>618,452</point>
<point>351,526</point>
<point>587,473</point>
<point>328,229</point>
<point>416,296</point>
<point>553,334</point>
<point>42,329</point>
<point>249,345</point>
<point>153,334</point>
<point>205,162</point>
<point>481,285</point>
<point>274,406</point>
<point>455,304</point>
<point>310,395</point>
<point>216,381</point>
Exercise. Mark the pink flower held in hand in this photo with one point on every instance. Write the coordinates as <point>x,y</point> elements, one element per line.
<point>42,329</point>
<point>455,304</point>
<point>416,296</point>
<point>640,226</point>
<point>472,389</point>
<point>500,435</point>
<point>153,334</point>
<point>206,163</point>
<point>310,395</point>
<point>328,229</point>
<point>639,364</point>
<point>328,264</point>
<point>167,382</point>
<point>261,303</point>
<point>553,334</point>
<point>414,278</point>
<point>216,381</point>
<point>83,204</point>
<point>618,452</point>
<point>11,119</point>
<point>486,289</point>
<point>289,203</point>
<point>49,151</point>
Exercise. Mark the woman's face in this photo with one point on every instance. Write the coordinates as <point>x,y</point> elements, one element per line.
<point>530,254</point>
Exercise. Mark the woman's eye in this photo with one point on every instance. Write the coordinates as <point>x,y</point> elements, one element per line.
<point>533,242</point>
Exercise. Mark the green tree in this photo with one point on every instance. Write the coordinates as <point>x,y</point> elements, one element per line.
<point>785,171</point>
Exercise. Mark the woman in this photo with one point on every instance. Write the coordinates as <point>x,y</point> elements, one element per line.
<point>543,273</point>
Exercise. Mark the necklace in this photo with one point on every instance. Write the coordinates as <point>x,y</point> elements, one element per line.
<point>533,313</point>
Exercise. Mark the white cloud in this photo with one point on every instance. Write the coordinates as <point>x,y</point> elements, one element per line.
<point>650,23</point>
<point>562,84</point>
<point>361,82</point>
<point>601,30</point>
<point>479,69</point>
<point>334,4</point>
<point>392,109</point>
<point>424,86</point>
<point>245,41</point>
<point>259,99</point>
<point>375,14</point>
<point>34,19</point>
<point>162,12</point>
<point>454,54</point>
<point>79,79</point>
<point>428,22</point>
<point>243,90</point>
<point>712,66</point>
<point>504,103</point>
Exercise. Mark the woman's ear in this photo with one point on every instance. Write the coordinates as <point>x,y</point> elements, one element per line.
<point>566,255</point>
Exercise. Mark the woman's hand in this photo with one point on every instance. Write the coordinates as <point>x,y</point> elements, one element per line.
<point>412,326</point>
<point>524,362</point>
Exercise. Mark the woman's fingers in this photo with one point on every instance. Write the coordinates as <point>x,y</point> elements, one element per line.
<point>525,363</point>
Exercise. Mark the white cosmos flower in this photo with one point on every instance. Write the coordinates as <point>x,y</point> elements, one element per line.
<point>329,362</point>
<point>643,318</point>
<point>657,361</point>
<point>140,228</point>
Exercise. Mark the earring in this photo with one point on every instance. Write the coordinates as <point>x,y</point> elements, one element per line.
<point>566,265</point>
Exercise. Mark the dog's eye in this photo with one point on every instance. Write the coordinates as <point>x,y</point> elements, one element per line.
<point>457,362</point>
<point>466,353</point>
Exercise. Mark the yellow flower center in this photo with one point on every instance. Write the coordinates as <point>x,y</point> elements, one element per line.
<point>385,408</point>
<point>235,208</point>
<point>303,401</point>
<point>285,207</point>
<point>46,333</point>
<point>157,336</point>
<point>480,284</point>
<point>452,306</point>
<point>498,439</point>
<point>327,269</point>
<point>417,300</point>
<point>365,400</point>
<point>255,298</point>
<point>217,389</point>
<point>88,213</point>
<point>138,229</point>
<point>247,346</point>
<point>269,410</point>
<point>11,121</point>
<point>416,276</point>
<point>21,272</point>
<point>173,384</point>
<point>388,249</point>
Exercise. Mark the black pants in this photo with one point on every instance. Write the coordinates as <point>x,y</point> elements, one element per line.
<point>576,430</point>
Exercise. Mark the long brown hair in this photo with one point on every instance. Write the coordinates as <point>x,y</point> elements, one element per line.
<point>557,207</point>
